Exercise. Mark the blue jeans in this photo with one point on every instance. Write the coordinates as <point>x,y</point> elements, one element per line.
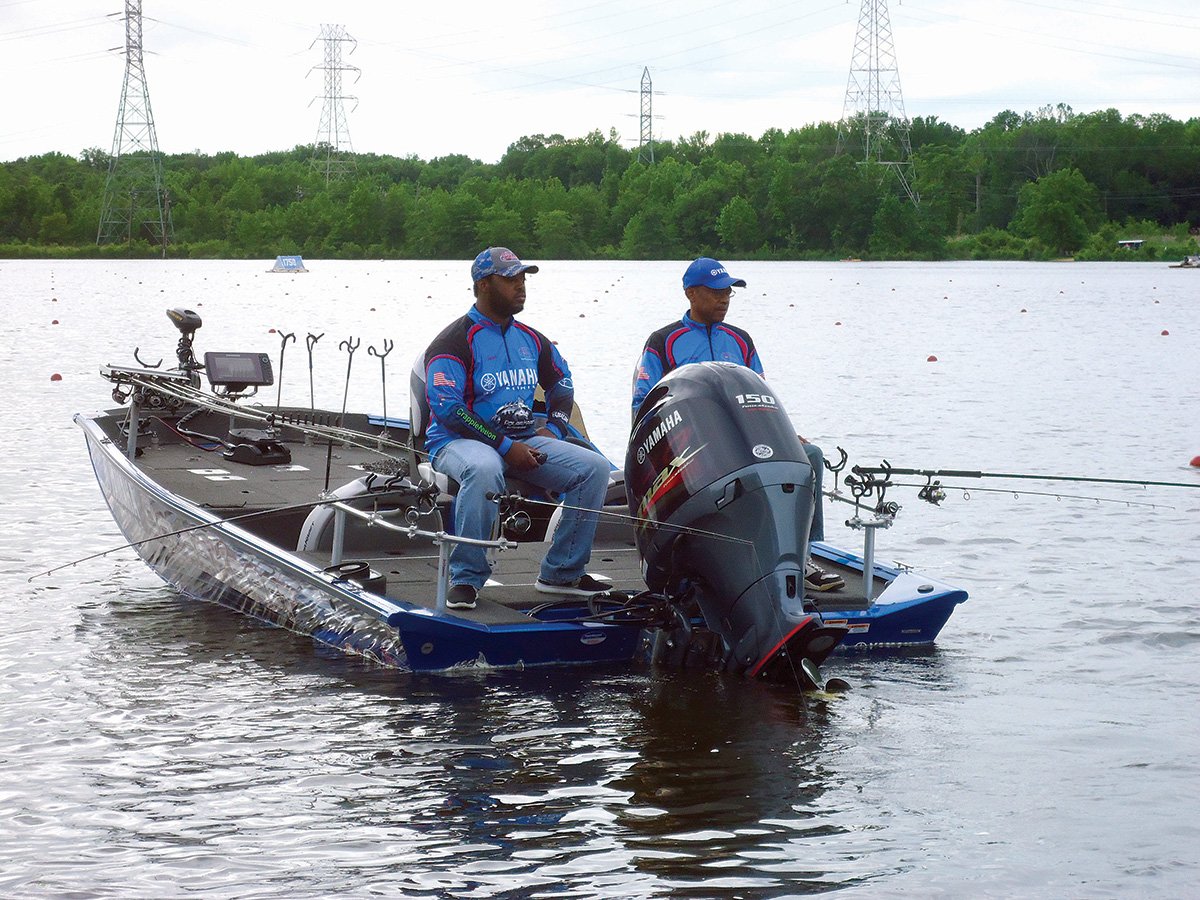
<point>581,475</point>
<point>816,459</point>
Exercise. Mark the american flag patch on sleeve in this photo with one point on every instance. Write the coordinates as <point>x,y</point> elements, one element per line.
<point>441,380</point>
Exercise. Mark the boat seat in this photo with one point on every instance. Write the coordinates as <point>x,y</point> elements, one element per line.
<point>418,403</point>
<point>316,534</point>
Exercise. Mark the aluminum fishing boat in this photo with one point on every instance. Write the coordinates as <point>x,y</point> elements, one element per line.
<point>333,525</point>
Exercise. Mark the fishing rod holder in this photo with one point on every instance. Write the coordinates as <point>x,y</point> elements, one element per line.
<point>865,484</point>
<point>868,527</point>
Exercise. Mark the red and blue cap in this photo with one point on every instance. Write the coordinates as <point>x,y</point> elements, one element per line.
<point>707,272</point>
<point>498,261</point>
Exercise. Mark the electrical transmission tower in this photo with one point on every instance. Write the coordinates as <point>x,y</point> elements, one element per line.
<point>646,142</point>
<point>136,204</point>
<point>333,152</point>
<point>874,105</point>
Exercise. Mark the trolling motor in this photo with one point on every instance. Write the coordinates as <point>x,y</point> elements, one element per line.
<point>722,493</point>
<point>188,323</point>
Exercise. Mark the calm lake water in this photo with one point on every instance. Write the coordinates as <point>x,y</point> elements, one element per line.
<point>1047,747</point>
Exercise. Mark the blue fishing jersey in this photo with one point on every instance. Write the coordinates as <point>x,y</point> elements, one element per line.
<point>480,380</point>
<point>687,341</point>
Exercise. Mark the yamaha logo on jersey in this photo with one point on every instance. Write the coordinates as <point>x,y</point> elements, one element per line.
<point>490,382</point>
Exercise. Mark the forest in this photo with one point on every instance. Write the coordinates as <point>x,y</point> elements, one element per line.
<point>1042,185</point>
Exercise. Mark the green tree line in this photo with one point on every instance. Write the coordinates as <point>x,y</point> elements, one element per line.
<point>1033,186</point>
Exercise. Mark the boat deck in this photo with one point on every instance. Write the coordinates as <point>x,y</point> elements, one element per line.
<point>409,565</point>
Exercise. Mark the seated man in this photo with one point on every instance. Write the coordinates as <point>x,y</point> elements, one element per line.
<point>702,335</point>
<point>480,374</point>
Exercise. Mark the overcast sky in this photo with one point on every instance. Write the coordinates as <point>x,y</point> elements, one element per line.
<point>468,77</point>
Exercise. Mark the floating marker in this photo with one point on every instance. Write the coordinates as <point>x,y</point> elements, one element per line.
<point>1024,310</point>
<point>837,323</point>
<point>931,358</point>
<point>54,322</point>
<point>56,377</point>
<point>1165,332</point>
<point>270,331</point>
<point>1196,461</point>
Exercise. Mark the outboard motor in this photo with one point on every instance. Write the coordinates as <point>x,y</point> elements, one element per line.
<point>722,493</point>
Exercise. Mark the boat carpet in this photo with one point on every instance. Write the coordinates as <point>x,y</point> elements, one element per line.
<point>509,595</point>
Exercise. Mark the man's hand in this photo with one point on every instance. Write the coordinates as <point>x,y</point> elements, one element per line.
<point>522,457</point>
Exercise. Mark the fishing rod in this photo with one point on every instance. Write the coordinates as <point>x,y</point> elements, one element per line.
<point>839,497</point>
<point>620,517</point>
<point>351,436</point>
<point>1016,494</point>
<point>420,493</point>
<point>887,469</point>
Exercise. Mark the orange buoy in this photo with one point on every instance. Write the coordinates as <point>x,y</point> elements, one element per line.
<point>1196,461</point>
<point>1165,332</point>
<point>931,358</point>
<point>56,377</point>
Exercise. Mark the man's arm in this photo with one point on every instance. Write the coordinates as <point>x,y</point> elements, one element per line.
<point>555,378</point>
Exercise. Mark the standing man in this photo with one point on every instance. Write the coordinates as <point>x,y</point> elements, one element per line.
<point>702,335</point>
<point>480,374</point>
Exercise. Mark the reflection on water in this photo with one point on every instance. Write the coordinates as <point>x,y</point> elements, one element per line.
<point>727,785</point>
<point>149,741</point>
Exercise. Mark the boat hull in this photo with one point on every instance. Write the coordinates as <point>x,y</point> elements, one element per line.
<point>212,560</point>
<point>910,610</point>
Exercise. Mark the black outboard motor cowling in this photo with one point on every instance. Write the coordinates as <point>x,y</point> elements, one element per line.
<point>722,492</point>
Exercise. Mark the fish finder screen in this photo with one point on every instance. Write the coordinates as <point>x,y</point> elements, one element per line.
<point>241,369</point>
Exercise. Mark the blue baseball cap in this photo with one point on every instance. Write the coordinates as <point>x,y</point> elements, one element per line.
<point>707,272</point>
<point>498,261</point>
